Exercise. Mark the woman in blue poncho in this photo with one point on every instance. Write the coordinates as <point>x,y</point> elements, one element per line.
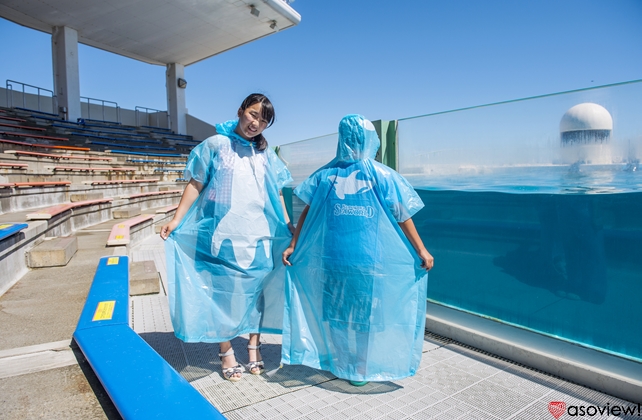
<point>222,242</point>
<point>356,277</point>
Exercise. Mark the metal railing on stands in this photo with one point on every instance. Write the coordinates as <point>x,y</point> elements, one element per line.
<point>142,109</point>
<point>102,103</point>
<point>10,90</point>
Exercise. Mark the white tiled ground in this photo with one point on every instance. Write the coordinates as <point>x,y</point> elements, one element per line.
<point>453,382</point>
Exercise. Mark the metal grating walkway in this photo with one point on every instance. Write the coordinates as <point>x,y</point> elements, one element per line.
<point>454,381</point>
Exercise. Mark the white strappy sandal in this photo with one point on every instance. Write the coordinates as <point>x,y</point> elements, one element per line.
<point>255,368</point>
<point>228,373</point>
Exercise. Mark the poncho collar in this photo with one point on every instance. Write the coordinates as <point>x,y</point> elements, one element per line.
<point>227,129</point>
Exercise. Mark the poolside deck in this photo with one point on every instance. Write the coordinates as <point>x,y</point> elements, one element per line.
<point>454,381</point>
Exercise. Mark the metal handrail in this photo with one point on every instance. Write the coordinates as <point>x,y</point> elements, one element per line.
<point>9,90</point>
<point>156,111</point>
<point>102,104</point>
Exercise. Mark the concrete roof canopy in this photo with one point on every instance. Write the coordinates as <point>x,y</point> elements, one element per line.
<point>157,31</point>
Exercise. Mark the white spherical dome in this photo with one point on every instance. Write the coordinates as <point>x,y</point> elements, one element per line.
<point>586,116</point>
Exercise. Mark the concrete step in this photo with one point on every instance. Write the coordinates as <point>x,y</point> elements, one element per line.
<point>126,212</point>
<point>85,196</point>
<point>143,278</point>
<point>53,253</point>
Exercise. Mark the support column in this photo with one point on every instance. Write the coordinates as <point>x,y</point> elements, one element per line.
<point>387,131</point>
<point>176,98</point>
<point>64,48</point>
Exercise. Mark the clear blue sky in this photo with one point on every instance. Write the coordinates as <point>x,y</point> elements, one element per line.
<point>382,59</point>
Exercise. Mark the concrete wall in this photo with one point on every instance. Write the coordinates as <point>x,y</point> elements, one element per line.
<point>199,129</point>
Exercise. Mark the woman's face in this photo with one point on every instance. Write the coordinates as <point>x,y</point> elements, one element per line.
<point>251,123</point>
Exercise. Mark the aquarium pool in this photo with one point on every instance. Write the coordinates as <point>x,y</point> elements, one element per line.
<point>557,250</point>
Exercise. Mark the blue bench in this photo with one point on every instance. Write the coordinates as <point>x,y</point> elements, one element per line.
<point>8,229</point>
<point>141,384</point>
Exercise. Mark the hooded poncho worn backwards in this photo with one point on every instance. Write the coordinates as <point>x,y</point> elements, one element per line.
<point>220,258</point>
<point>355,293</point>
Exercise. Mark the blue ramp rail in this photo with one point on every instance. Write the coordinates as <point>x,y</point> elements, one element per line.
<point>141,384</point>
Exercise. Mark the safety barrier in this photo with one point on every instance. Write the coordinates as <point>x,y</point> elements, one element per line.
<point>141,384</point>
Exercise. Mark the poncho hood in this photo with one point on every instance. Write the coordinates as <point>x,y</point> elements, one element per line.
<point>358,139</point>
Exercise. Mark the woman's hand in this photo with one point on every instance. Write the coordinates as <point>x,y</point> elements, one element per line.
<point>427,260</point>
<point>286,255</point>
<point>167,229</point>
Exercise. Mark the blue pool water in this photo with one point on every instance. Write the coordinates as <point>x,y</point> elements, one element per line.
<point>553,249</point>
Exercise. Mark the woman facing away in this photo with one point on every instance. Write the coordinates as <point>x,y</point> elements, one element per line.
<point>227,231</point>
<point>356,278</point>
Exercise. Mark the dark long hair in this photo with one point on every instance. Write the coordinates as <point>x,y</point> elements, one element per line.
<point>267,113</point>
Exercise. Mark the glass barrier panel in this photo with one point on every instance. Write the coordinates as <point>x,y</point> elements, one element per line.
<point>533,212</point>
<point>306,156</point>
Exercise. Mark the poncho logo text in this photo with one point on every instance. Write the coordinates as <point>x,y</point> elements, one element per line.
<point>346,210</point>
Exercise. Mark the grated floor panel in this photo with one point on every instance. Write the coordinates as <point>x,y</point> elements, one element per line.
<point>454,381</point>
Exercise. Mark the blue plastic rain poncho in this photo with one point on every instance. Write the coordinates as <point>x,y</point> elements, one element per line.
<point>220,258</point>
<point>355,293</point>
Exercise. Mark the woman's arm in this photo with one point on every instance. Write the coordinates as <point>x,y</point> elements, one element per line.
<point>410,231</point>
<point>295,237</point>
<point>191,193</point>
<point>285,213</point>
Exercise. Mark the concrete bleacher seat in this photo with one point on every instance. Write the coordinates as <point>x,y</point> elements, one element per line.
<point>22,127</point>
<point>12,119</point>
<point>13,165</point>
<point>138,153</point>
<point>121,233</point>
<point>120,181</point>
<point>44,146</point>
<point>91,169</point>
<point>19,153</point>
<point>53,211</point>
<point>35,136</point>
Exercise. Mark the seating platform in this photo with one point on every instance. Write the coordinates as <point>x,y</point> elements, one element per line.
<point>59,157</point>
<point>90,169</point>
<point>50,212</point>
<point>120,233</point>
<point>14,165</point>
<point>9,229</point>
<point>44,146</point>
<point>141,384</point>
<point>121,181</point>
<point>35,136</point>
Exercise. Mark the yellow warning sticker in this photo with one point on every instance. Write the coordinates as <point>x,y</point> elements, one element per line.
<point>104,310</point>
<point>112,260</point>
<point>119,236</point>
<point>4,226</point>
<point>121,226</point>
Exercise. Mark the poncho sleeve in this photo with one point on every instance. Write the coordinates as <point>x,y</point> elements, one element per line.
<point>305,191</point>
<point>398,194</point>
<point>279,170</point>
<point>199,164</point>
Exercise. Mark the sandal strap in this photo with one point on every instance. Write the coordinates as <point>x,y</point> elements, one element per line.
<point>229,372</point>
<point>249,347</point>
<point>227,353</point>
